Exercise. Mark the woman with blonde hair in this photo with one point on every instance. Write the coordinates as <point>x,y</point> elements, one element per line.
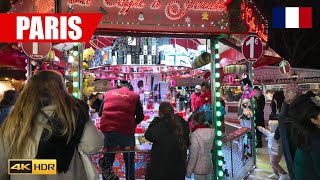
<point>47,123</point>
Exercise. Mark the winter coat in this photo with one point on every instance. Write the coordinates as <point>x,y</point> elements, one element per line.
<point>289,115</point>
<point>90,142</point>
<point>196,101</point>
<point>4,113</point>
<point>166,161</point>
<point>307,163</point>
<point>200,161</point>
<point>122,111</point>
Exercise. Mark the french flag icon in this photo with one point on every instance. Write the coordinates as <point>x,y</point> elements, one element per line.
<point>292,17</point>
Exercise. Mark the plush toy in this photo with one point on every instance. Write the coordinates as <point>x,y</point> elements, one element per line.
<point>245,80</point>
<point>87,91</point>
<point>88,55</point>
<point>87,81</point>
<point>91,77</point>
<point>248,92</point>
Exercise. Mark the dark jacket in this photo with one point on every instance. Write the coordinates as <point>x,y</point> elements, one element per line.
<point>4,113</point>
<point>290,114</point>
<point>166,162</point>
<point>307,163</point>
<point>259,108</point>
<point>96,104</point>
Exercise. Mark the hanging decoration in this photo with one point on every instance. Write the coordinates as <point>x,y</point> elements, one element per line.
<point>70,9</point>
<point>205,16</point>
<point>187,20</point>
<point>103,11</point>
<point>234,69</point>
<point>172,83</point>
<point>221,23</point>
<point>201,60</point>
<point>141,17</point>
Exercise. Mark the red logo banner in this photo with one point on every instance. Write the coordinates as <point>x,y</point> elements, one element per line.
<point>48,27</point>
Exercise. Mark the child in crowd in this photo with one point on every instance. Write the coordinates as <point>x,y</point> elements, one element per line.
<point>275,152</point>
<point>200,161</point>
<point>307,157</point>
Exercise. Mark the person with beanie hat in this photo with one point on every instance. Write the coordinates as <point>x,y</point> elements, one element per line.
<point>291,114</point>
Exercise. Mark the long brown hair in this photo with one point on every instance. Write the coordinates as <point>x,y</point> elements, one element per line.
<point>166,110</point>
<point>43,89</point>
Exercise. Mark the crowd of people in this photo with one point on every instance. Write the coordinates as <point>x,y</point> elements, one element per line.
<point>46,122</point>
<point>294,133</point>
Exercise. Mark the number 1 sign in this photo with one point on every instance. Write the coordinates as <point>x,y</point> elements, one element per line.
<point>252,48</point>
<point>36,50</point>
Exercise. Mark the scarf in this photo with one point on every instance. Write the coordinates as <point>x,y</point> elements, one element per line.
<point>199,126</point>
<point>56,146</point>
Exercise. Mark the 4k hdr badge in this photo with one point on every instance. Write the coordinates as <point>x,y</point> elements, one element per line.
<point>49,27</point>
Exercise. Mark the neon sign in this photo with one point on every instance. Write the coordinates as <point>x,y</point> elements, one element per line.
<point>174,10</point>
<point>247,15</point>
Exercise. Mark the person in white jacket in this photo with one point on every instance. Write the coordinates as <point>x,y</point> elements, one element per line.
<point>274,150</point>
<point>200,161</point>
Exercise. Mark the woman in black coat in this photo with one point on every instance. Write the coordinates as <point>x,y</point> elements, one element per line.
<point>292,113</point>
<point>169,134</point>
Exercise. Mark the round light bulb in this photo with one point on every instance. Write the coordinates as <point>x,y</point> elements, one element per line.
<point>218,123</point>
<point>219,143</point>
<point>220,163</point>
<point>218,113</point>
<point>216,46</point>
<point>75,94</point>
<point>217,84</point>
<point>75,53</point>
<point>75,84</point>
<point>219,133</point>
<point>216,56</point>
<point>217,65</point>
<point>218,104</point>
<point>220,152</point>
<point>75,74</point>
<point>220,173</point>
<point>217,75</point>
<point>218,94</point>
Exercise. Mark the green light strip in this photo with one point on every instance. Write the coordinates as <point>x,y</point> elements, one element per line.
<point>218,115</point>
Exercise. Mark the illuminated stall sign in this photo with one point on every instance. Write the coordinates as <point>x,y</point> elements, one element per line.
<point>171,16</point>
<point>254,20</point>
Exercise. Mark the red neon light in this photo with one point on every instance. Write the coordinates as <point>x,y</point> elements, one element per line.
<point>156,4</point>
<point>45,7</point>
<point>174,9</point>
<point>246,14</point>
<point>80,2</point>
<point>126,5</point>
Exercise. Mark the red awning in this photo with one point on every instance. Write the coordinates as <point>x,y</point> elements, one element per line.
<point>232,56</point>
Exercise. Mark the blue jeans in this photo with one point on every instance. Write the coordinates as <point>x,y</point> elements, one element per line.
<point>113,140</point>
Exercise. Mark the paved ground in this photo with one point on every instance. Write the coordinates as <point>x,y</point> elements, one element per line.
<point>263,169</point>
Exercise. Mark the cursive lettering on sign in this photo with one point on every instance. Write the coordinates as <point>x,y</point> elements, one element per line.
<point>125,5</point>
<point>247,15</point>
<point>80,2</point>
<point>176,10</point>
<point>119,94</point>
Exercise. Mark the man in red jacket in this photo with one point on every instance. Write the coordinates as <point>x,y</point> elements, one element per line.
<point>122,111</point>
<point>196,101</point>
<point>206,93</point>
